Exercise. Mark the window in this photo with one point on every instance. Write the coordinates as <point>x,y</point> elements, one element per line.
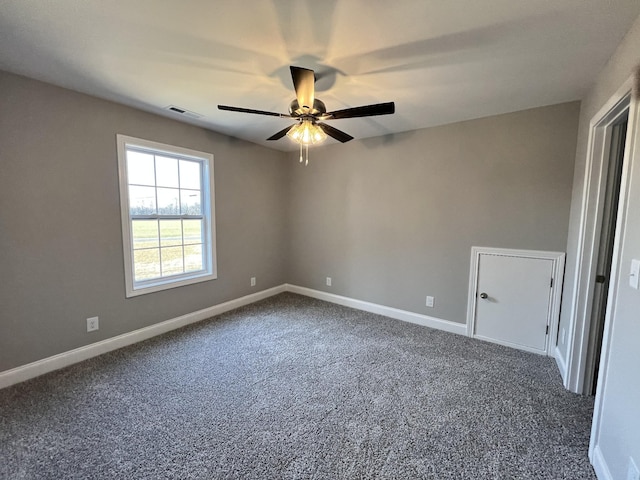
<point>168,224</point>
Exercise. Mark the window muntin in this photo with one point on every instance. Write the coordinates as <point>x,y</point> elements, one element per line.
<point>167,215</point>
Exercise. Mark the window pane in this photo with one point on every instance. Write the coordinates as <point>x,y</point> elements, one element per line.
<point>145,234</point>
<point>168,201</point>
<point>193,260</point>
<point>146,264</point>
<point>142,200</point>
<point>190,175</point>
<point>166,172</point>
<point>140,168</point>
<point>190,202</point>
<point>172,261</point>
<point>170,232</point>
<point>192,231</point>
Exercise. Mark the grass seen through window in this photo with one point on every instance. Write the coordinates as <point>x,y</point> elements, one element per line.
<point>166,247</point>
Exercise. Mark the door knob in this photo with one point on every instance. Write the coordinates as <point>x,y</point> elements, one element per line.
<point>484,295</point>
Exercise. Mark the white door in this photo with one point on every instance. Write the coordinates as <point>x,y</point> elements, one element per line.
<point>513,299</point>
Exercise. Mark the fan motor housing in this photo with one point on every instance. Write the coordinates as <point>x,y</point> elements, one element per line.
<point>318,108</point>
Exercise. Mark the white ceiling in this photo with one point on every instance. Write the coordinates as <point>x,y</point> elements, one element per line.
<point>441,61</point>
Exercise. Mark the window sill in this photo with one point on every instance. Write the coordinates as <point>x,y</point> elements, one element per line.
<point>166,284</point>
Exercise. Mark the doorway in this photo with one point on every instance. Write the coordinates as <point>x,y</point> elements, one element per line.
<point>606,177</point>
<point>618,132</point>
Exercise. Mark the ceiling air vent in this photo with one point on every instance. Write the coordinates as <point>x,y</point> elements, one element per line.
<point>182,111</point>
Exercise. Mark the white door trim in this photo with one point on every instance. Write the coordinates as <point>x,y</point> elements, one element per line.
<point>558,259</point>
<point>589,232</point>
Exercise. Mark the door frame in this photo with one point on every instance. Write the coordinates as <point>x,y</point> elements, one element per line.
<point>605,242</point>
<point>557,258</point>
<point>597,162</point>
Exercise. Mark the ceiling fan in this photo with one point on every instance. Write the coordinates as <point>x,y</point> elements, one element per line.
<point>311,113</point>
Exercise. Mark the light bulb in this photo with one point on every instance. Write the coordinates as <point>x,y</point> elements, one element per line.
<point>306,132</point>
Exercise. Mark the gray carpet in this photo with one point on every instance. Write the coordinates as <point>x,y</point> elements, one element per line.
<point>290,388</point>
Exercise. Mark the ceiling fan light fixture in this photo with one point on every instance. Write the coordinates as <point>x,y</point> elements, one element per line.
<point>306,133</point>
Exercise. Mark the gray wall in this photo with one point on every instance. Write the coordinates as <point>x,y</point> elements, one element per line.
<point>393,219</point>
<point>619,434</point>
<point>61,254</point>
<point>390,219</point>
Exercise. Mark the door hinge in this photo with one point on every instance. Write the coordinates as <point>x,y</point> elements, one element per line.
<point>551,285</point>
<point>547,332</point>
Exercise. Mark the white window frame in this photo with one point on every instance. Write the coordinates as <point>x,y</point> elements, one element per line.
<point>134,288</point>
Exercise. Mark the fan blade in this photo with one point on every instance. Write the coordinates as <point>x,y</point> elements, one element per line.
<point>281,133</point>
<point>335,133</point>
<point>303,82</point>
<point>365,111</point>
<point>248,110</point>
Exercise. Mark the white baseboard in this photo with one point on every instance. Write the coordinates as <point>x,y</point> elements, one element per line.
<point>391,312</point>
<point>55,362</point>
<point>562,365</point>
<point>600,465</point>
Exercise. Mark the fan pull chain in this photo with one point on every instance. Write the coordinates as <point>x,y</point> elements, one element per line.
<point>300,153</point>
<point>307,162</point>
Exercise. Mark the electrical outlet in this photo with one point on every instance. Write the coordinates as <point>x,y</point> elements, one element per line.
<point>93,324</point>
<point>632,472</point>
<point>253,281</point>
<point>430,301</point>
<point>328,281</point>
